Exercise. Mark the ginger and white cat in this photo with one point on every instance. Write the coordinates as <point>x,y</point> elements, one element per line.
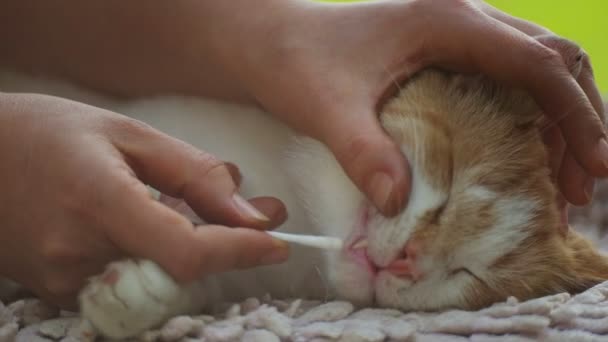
<point>481,223</point>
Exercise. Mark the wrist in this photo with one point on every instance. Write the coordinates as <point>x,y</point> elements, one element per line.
<point>246,39</point>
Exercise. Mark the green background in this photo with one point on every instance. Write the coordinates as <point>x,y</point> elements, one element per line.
<point>584,21</point>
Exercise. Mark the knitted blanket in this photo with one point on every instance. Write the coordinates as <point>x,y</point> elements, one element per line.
<point>560,317</point>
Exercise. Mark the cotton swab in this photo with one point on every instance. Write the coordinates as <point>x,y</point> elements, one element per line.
<point>323,242</point>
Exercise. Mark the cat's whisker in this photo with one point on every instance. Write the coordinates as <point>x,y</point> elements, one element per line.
<point>394,79</point>
<point>552,123</point>
<point>324,282</point>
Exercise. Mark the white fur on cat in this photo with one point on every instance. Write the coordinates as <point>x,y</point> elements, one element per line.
<point>320,199</point>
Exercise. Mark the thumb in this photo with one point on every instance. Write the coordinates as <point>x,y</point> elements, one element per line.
<point>371,159</point>
<point>208,185</point>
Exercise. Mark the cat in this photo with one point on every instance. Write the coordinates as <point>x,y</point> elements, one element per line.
<point>481,224</point>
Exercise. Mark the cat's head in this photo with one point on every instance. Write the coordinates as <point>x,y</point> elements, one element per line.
<point>482,221</point>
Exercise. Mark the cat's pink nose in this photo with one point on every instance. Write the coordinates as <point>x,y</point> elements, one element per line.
<point>405,266</point>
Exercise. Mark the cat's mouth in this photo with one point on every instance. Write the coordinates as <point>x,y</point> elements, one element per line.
<point>358,252</point>
<point>356,243</point>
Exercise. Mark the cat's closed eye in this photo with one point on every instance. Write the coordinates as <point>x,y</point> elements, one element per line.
<point>436,214</point>
<point>463,271</point>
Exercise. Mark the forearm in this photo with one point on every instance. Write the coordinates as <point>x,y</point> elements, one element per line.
<point>140,47</point>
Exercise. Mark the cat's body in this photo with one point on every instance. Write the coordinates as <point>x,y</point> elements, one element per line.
<point>481,223</point>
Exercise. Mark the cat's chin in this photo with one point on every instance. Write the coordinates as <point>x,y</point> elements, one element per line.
<point>352,271</point>
<point>353,282</point>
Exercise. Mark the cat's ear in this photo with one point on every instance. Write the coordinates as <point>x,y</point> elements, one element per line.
<point>526,112</point>
<point>586,266</point>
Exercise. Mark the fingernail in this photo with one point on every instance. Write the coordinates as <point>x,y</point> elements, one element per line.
<point>380,189</point>
<point>278,254</point>
<point>602,152</point>
<point>589,186</point>
<point>249,210</point>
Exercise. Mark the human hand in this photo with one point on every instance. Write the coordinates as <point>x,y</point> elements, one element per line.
<point>332,65</point>
<point>74,199</point>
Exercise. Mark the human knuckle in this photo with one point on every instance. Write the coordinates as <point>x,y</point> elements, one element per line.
<point>463,4</point>
<point>128,126</point>
<point>419,6</point>
<point>172,219</point>
<point>131,186</point>
<point>544,56</point>
<point>425,5</point>
<point>355,147</point>
<point>82,198</point>
<point>56,251</point>
<point>205,162</point>
<point>585,60</point>
<point>98,201</point>
<point>208,166</point>
<point>463,7</point>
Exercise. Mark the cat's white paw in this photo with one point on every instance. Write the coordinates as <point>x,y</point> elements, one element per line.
<point>132,296</point>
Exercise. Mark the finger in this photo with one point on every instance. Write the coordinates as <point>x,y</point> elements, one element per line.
<point>571,53</point>
<point>61,285</point>
<point>566,172</point>
<point>568,50</point>
<point>271,207</point>
<point>576,185</point>
<point>522,25</point>
<point>141,226</point>
<point>523,61</point>
<point>39,286</point>
<point>587,82</point>
<point>222,249</point>
<point>180,206</point>
<point>64,302</point>
<point>371,159</point>
<point>556,147</point>
<point>235,173</point>
<point>63,299</point>
<point>182,171</point>
<point>580,67</point>
<point>144,227</point>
